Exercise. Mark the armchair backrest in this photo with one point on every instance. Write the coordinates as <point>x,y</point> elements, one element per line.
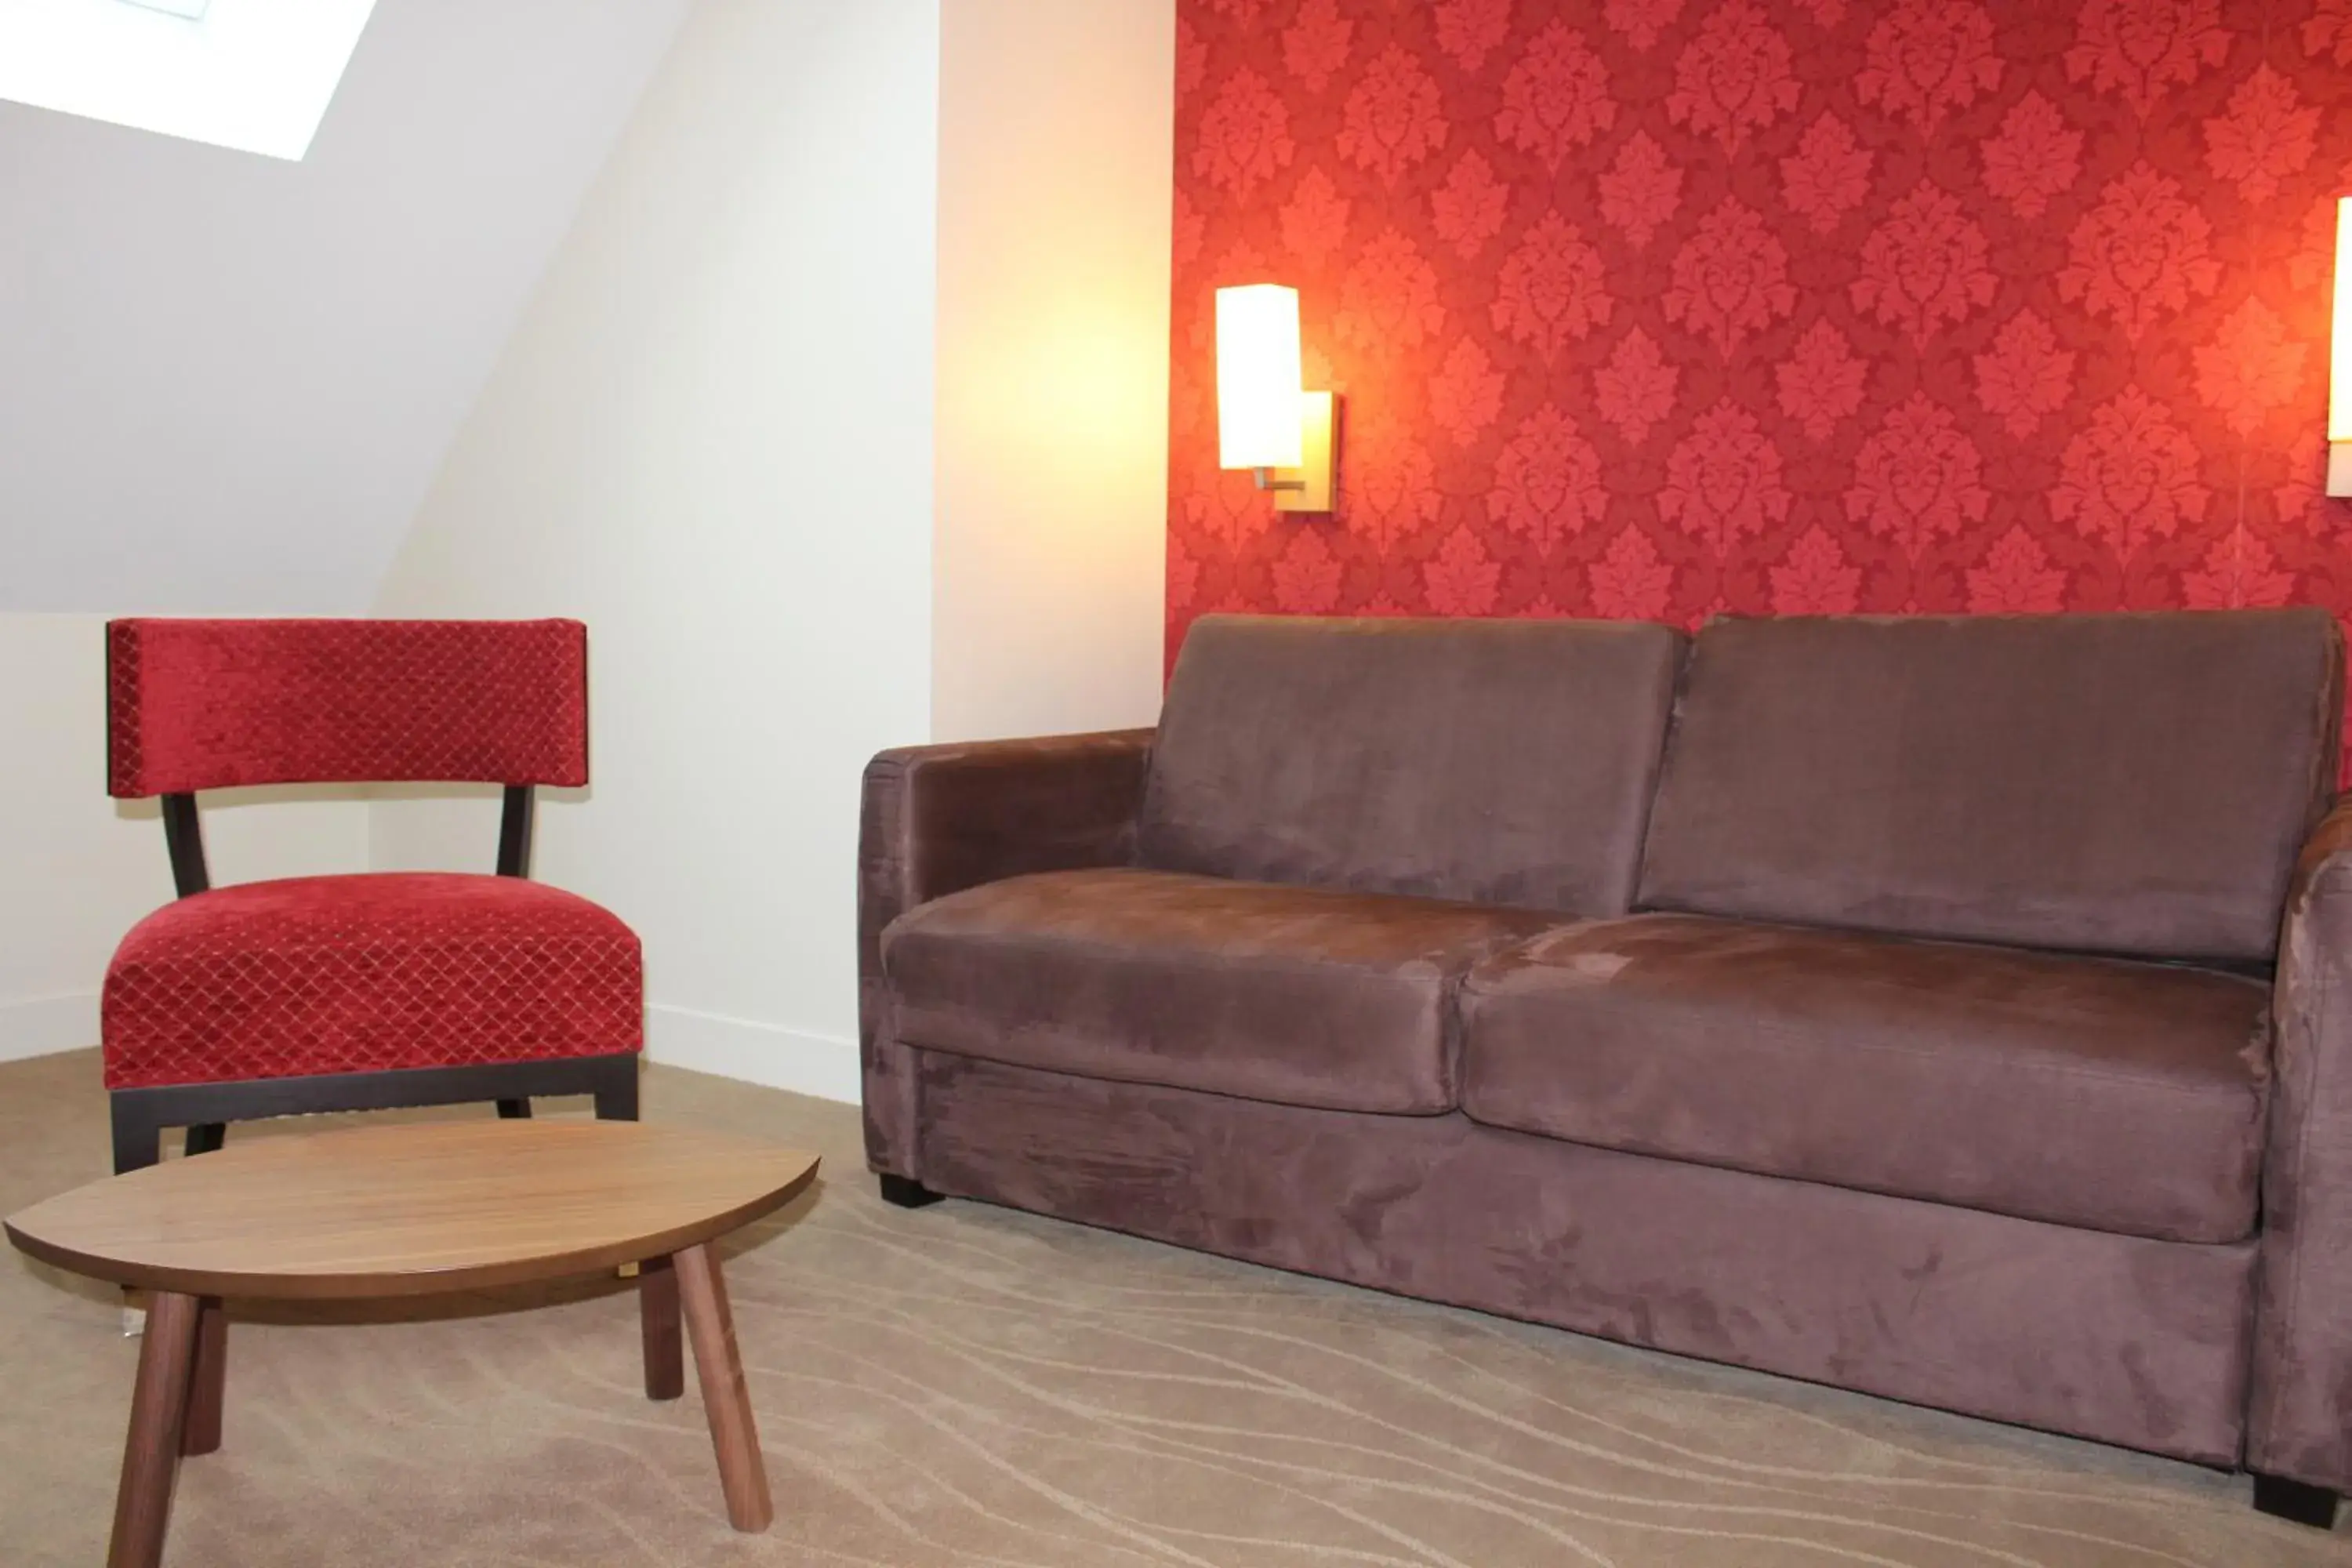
<point>211,704</point>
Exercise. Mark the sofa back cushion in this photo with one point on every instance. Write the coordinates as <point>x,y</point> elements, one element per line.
<point>1501,762</point>
<point>2125,784</point>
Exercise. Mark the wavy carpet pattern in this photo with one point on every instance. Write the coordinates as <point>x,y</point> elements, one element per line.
<point>968,1386</point>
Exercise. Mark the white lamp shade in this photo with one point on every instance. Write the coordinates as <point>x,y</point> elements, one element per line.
<point>2340,367</point>
<point>1260,408</point>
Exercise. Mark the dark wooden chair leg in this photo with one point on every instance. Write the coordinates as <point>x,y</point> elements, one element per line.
<point>658,1313</point>
<point>138,1143</point>
<point>151,1453</point>
<point>617,1091</point>
<point>206,1138</point>
<point>905,1192</point>
<point>726,1399</point>
<point>2296,1502</point>
<point>138,1136</point>
<point>207,1381</point>
<point>514,1110</point>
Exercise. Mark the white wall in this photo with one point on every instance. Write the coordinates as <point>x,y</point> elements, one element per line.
<point>77,869</point>
<point>1058,124</point>
<point>228,381</point>
<point>839,245</point>
<point>840,416</point>
<point>711,438</point>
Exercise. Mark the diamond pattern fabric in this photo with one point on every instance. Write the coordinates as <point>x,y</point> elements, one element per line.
<point>202,704</point>
<point>368,973</point>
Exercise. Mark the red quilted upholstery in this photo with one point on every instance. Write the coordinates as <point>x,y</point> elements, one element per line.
<point>195,705</point>
<point>364,973</point>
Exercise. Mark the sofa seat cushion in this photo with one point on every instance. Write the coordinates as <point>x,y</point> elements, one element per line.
<point>2094,1092</point>
<point>1295,995</point>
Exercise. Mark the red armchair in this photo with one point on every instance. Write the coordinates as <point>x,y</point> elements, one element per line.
<point>361,992</point>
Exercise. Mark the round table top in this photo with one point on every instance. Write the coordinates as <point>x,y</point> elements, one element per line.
<point>411,1209</point>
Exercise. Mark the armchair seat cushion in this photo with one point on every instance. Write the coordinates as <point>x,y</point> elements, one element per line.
<point>1299,996</point>
<point>2109,1095</point>
<point>367,974</point>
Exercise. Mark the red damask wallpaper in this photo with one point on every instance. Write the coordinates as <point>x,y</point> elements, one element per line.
<point>1657,308</point>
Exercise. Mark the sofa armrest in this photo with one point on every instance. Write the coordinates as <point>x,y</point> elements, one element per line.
<point>2299,1422</point>
<point>936,819</point>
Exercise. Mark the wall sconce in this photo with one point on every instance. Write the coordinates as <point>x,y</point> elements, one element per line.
<point>2339,360</point>
<point>1265,422</point>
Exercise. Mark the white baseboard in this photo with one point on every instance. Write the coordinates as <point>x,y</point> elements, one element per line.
<point>766,1054</point>
<point>43,1026</point>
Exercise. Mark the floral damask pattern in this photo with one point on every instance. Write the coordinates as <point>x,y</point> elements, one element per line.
<point>2250,368</point>
<point>1548,482</point>
<point>2140,253</point>
<point>1635,390</point>
<point>1924,267</point>
<point>1827,176</point>
<point>1306,577</point>
<point>1815,579</point>
<point>1557,97</point>
<point>2033,157</point>
<point>1640,190</point>
<point>2139,48</point>
<point>1315,46</point>
<point>1730,279</point>
<point>1668,308</point>
<point>2131,477</point>
<point>1245,137</point>
<point>1394,117</point>
<point>2025,376</point>
<point>1551,291</point>
<point>1821,381</point>
<point>1734,76</point>
<point>1915,479</point>
<point>1927,58</point>
<point>1468,210</point>
<point>1315,218</point>
<point>2329,31</point>
<point>1641,20</point>
<point>1470,30</point>
<point>1389,296</point>
<point>1630,582</point>
<point>1723,480</point>
<point>2016,579</point>
<point>1467,393</point>
<point>2267,135</point>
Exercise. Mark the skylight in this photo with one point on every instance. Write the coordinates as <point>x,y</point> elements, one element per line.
<point>255,75</point>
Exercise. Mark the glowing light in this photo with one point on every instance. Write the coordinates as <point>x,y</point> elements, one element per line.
<point>1260,406</point>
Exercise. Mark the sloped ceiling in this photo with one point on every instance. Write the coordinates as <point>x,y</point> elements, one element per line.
<point>226,382</point>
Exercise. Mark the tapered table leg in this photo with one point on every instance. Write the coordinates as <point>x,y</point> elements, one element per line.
<point>150,1454</point>
<point>207,1381</point>
<point>743,1474</point>
<point>657,1308</point>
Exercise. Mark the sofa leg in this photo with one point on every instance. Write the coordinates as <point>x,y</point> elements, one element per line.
<point>905,1192</point>
<point>2296,1502</point>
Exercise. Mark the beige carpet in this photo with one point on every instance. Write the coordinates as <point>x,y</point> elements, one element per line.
<point>969,1386</point>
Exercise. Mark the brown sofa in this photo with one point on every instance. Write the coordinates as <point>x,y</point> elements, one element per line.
<point>1954,1010</point>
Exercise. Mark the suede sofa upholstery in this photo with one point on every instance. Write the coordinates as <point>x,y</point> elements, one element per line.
<point>1956,1009</point>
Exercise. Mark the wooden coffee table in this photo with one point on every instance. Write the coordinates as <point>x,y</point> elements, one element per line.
<point>408,1210</point>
